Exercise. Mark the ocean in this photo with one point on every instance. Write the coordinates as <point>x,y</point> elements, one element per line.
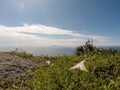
<point>50,51</point>
<point>36,51</point>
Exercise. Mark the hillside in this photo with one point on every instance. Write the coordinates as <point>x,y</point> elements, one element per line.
<point>22,71</point>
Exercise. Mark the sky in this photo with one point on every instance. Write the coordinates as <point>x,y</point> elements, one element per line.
<point>59,22</point>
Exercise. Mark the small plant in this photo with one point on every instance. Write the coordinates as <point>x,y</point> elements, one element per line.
<point>25,55</point>
<point>87,48</point>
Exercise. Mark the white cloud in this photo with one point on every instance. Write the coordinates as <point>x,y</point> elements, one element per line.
<point>32,35</point>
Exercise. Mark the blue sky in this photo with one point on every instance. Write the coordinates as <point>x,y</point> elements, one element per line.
<point>59,22</point>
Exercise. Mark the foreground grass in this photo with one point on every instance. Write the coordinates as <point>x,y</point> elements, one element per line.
<point>104,74</point>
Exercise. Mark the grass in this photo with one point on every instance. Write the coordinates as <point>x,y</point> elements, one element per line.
<point>22,54</point>
<point>59,76</point>
<point>104,72</point>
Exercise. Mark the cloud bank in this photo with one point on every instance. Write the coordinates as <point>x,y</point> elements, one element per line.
<point>43,35</point>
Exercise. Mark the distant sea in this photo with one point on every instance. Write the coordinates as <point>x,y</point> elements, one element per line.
<point>50,51</point>
<point>36,51</point>
<point>107,47</point>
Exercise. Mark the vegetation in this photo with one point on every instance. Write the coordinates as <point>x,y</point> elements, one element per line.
<point>22,54</point>
<point>103,66</point>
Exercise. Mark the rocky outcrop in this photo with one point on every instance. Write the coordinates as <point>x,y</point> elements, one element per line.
<point>13,67</point>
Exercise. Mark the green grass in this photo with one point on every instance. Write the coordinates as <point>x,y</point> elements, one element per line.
<point>104,74</point>
<point>22,54</point>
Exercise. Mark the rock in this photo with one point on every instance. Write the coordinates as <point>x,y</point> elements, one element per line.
<point>13,67</point>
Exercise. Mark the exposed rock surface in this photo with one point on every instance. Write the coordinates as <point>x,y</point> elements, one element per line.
<point>13,67</point>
